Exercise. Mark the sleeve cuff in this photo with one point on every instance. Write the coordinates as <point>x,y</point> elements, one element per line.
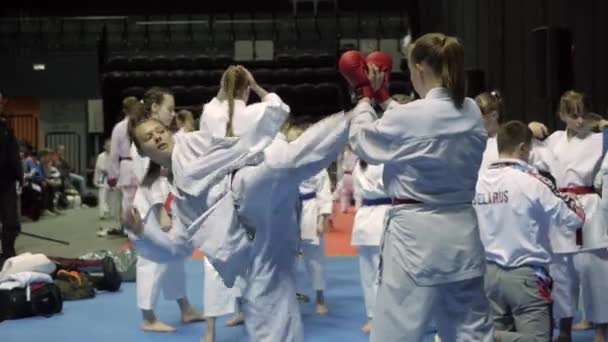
<point>365,108</point>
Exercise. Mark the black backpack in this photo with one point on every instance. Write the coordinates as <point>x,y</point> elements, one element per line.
<point>43,300</point>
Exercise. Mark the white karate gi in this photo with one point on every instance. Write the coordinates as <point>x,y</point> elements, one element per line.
<point>516,208</point>
<point>576,163</point>
<point>270,306</point>
<point>432,257</point>
<point>368,228</point>
<point>109,199</point>
<point>153,276</point>
<point>205,207</point>
<point>219,299</point>
<point>121,164</point>
<point>316,197</point>
<point>262,201</point>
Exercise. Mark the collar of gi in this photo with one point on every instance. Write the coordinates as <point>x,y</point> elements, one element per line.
<point>438,93</point>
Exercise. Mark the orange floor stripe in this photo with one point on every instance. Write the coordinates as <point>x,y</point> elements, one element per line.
<point>337,240</point>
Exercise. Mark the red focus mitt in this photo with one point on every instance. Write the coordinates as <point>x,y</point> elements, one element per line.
<point>384,63</point>
<point>353,67</point>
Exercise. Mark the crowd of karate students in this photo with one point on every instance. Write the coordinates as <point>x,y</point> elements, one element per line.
<point>487,231</point>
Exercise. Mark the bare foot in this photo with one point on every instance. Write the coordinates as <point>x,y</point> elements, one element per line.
<point>583,325</point>
<point>367,328</point>
<point>322,309</point>
<point>192,316</point>
<point>237,319</point>
<point>157,326</point>
<point>438,339</point>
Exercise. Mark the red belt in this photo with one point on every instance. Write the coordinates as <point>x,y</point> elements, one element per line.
<point>398,201</point>
<point>578,190</point>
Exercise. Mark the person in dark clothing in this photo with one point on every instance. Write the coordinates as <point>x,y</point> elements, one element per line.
<point>11,176</point>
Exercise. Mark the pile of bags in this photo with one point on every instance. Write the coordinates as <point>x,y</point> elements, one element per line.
<point>37,285</point>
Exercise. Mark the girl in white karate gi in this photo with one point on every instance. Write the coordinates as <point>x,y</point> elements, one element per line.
<point>582,260</point>
<point>153,201</point>
<point>432,261</point>
<point>492,109</point>
<point>270,305</point>
<point>317,204</point>
<point>202,166</point>
<point>368,229</point>
<point>109,199</point>
<point>231,98</point>
<point>120,174</point>
<point>317,207</point>
<point>215,118</point>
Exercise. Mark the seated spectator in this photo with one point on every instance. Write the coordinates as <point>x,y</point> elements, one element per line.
<point>56,182</point>
<point>67,175</point>
<point>35,172</point>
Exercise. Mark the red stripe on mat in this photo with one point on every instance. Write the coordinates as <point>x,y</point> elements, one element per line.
<point>337,240</point>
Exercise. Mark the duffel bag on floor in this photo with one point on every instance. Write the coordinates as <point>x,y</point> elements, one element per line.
<point>38,299</point>
<point>74,285</point>
<point>102,273</point>
<point>125,261</point>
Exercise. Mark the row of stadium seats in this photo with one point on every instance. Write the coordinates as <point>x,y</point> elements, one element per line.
<point>190,77</point>
<point>212,77</point>
<point>183,62</point>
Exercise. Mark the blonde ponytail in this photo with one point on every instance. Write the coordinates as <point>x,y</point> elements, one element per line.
<point>228,86</point>
<point>234,84</point>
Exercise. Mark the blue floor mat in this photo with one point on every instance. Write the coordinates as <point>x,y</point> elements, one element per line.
<point>115,317</point>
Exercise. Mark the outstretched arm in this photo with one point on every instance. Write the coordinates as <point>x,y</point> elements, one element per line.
<point>316,148</point>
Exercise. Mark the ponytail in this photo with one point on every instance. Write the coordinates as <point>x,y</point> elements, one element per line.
<point>452,73</point>
<point>228,86</point>
<point>234,84</point>
<point>445,56</point>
